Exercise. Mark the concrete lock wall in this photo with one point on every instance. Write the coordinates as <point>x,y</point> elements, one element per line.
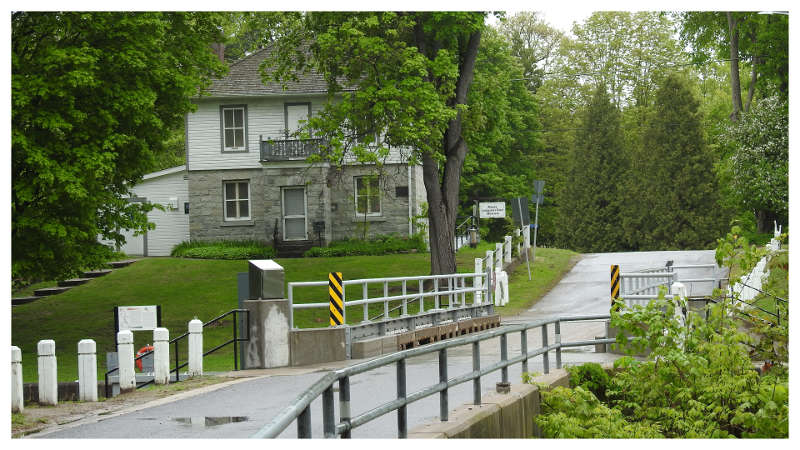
<point>508,415</point>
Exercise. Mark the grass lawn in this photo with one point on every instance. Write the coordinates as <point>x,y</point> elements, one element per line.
<point>189,288</point>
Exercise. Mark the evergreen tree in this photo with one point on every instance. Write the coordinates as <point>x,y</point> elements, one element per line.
<point>592,198</point>
<point>676,197</point>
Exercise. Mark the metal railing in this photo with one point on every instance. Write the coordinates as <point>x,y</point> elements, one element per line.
<point>176,341</point>
<point>461,235</point>
<point>288,149</point>
<point>452,287</point>
<point>300,409</point>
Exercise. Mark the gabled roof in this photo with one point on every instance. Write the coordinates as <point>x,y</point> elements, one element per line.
<point>161,173</point>
<point>244,80</point>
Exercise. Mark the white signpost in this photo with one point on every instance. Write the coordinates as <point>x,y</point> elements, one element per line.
<point>492,210</point>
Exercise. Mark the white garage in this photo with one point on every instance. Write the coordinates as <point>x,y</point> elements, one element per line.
<point>169,188</point>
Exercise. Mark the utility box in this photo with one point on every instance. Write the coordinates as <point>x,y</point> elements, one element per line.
<point>266,279</point>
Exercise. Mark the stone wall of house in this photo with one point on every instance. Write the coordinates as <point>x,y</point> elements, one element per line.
<point>206,218</point>
<point>281,175</point>
<point>394,209</point>
<point>329,199</point>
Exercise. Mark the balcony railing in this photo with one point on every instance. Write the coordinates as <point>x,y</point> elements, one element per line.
<point>289,149</point>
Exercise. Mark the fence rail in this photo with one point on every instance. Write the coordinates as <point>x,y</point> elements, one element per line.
<point>300,409</point>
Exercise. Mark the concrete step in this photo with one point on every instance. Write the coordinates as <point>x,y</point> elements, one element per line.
<point>23,300</point>
<point>51,291</point>
<point>74,282</point>
<point>96,273</point>
<point>120,264</point>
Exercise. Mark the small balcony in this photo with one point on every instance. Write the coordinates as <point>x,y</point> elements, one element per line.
<point>289,149</point>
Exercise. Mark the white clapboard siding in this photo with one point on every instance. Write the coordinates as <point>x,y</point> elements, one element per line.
<point>265,118</point>
<point>172,226</point>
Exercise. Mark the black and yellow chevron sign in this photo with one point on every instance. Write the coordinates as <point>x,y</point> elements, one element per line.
<point>614,283</point>
<point>337,299</point>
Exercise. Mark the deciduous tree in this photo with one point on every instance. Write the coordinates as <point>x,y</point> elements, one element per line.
<point>400,80</point>
<point>94,97</point>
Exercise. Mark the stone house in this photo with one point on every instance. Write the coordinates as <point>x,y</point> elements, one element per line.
<point>248,177</point>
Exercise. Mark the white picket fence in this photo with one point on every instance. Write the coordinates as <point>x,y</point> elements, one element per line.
<point>87,365</point>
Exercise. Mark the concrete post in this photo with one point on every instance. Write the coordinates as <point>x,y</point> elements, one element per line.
<point>490,260</point>
<point>161,356</point>
<point>17,399</point>
<point>498,287</point>
<point>195,348</point>
<point>498,255</point>
<point>48,374</point>
<point>270,316</point>
<point>87,370</point>
<point>518,233</point>
<point>526,237</point>
<point>507,249</point>
<point>478,282</point>
<point>127,377</point>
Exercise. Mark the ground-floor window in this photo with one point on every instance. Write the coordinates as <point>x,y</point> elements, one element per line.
<point>237,200</point>
<point>368,196</point>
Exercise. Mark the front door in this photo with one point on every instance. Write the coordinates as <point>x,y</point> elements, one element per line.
<point>294,213</point>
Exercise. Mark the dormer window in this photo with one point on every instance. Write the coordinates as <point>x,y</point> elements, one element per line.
<point>233,124</point>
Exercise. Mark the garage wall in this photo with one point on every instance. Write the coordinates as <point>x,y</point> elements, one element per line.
<point>172,225</point>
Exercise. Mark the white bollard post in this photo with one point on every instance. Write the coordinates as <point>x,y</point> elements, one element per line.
<point>504,277</point>
<point>477,283</point>
<point>490,260</point>
<point>127,377</point>
<point>518,233</point>
<point>17,399</point>
<point>161,355</point>
<point>87,370</point>
<point>507,255</point>
<point>498,287</point>
<point>498,255</point>
<point>526,237</point>
<point>48,373</point>
<point>195,348</point>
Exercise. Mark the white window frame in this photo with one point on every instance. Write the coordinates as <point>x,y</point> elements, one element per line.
<point>304,216</point>
<point>356,196</point>
<point>224,127</point>
<point>236,200</point>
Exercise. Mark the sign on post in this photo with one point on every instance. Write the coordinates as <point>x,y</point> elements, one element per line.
<point>492,210</point>
<point>336,298</point>
<point>519,212</point>
<point>137,318</point>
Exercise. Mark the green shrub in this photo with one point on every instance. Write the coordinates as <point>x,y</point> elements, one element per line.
<point>380,245</point>
<point>590,376</point>
<point>223,250</point>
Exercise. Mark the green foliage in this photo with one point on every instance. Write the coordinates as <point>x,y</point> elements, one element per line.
<point>223,250</point>
<point>94,97</point>
<point>590,376</point>
<point>758,166</point>
<point>380,245</point>
<point>592,204</point>
<point>676,205</point>
<point>577,413</point>
<point>499,127</point>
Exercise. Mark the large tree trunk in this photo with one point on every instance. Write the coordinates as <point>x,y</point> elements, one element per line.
<point>443,193</point>
<point>736,87</point>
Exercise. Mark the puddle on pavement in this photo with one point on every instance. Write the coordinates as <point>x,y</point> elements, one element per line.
<point>209,421</point>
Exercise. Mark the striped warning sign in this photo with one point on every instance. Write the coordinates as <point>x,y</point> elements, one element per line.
<point>614,283</point>
<point>337,299</point>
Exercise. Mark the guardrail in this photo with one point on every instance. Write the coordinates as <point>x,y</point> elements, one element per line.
<point>300,409</point>
<point>453,287</point>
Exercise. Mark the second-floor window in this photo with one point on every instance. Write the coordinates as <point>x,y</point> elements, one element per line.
<point>368,196</point>
<point>234,127</point>
<point>295,117</point>
<point>237,200</point>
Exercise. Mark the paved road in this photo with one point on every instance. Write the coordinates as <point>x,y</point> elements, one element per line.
<point>241,409</point>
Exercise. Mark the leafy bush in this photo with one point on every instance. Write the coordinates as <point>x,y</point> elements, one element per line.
<point>590,376</point>
<point>577,413</point>
<point>380,245</point>
<point>223,250</point>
